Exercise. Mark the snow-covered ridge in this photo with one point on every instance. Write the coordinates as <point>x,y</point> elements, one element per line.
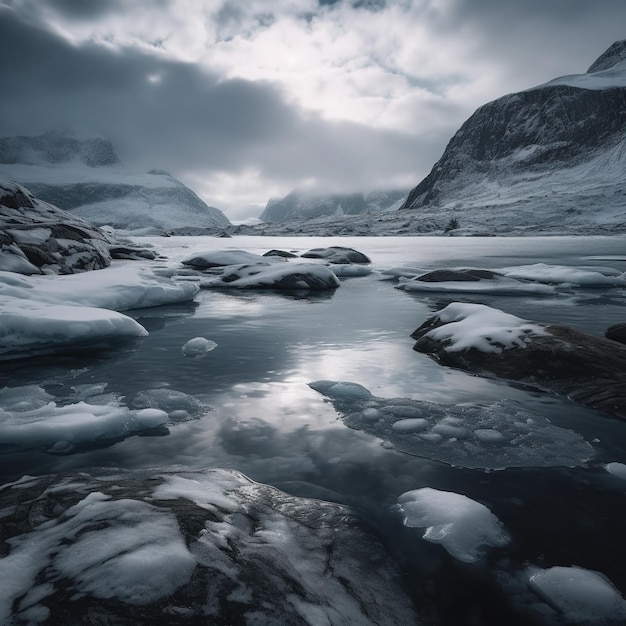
<point>86,177</point>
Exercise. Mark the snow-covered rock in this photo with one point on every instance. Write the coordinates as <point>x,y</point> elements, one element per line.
<point>548,157</point>
<point>85,176</point>
<point>337,254</point>
<point>221,258</point>
<point>207,546</point>
<point>500,435</point>
<point>461,525</point>
<point>275,276</point>
<point>298,205</point>
<point>37,237</point>
<point>588,369</point>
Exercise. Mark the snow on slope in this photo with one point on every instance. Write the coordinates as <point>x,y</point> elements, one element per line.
<point>85,177</point>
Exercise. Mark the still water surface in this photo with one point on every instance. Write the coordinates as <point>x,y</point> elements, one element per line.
<point>258,415</point>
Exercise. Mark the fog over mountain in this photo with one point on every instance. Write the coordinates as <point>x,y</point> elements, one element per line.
<point>85,176</point>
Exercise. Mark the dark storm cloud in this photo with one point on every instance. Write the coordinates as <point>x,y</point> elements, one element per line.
<point>177,116</point>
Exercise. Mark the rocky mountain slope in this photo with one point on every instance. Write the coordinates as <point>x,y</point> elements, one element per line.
<point>550,156</point>
<point>86,177</point>
<point>299,205</point>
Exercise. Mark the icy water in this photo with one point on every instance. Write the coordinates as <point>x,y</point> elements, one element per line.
<point>248,406</point>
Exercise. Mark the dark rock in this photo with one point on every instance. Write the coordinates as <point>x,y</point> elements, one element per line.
<point>337,254</point>
<point>127,252</point>
<point>473,275</point>
<point>617,332</point>
<point>37,237</point>
<point>197,547</point>
<point>282,253</point>
<point>587,369</point>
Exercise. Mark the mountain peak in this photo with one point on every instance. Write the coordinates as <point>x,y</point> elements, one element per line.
<point>615,54</point>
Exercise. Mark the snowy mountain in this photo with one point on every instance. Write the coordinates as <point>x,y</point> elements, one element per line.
<point>298,205</point>
<point>86,177</point>
<point>550,156</point>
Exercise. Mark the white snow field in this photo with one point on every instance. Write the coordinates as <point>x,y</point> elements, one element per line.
<point>461,525</point>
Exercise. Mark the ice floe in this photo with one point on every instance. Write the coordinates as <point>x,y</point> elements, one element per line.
<point>32,418</point>
<point>198,347</point>
<point>461,525</point>
<point>285,275</point>
<point>209,546</point>
<point>495,436</point>
<point>584,276</point>
<point>476,326</point>
<point>496,286</point>
<point>580,596</point>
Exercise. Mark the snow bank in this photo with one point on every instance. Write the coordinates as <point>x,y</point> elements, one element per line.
<point>29,327</point>
<point>582,596</point>
<point>461,525</point>
<point>275,276</point>
<point>480,327</point>
<point>129,286</point>
<point>30,418</point>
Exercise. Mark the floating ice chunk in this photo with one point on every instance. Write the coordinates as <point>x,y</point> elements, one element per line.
<point>60,429</point>
<point>29,327</point>
<point>488,435</point>
<point>350,270</point>
<point>586,276</point>
<point>582,596</point>
<point>617,469</point>
<point>118,288</point>
<point>23,398</point>
<point>198,347</point>
<point>277,276</point>
<point>341,390</point>
<point>221,258</point>
<point>481,327</point>
<point>177,404</point>
<point>461,525</point>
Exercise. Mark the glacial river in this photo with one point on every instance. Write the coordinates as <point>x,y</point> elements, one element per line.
<point>247,405</point>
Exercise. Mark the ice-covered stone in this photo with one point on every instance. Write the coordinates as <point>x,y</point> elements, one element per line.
<point>198,347</point>
<point>205,546</point>
<point>275,276</point>
<point>337,254</point>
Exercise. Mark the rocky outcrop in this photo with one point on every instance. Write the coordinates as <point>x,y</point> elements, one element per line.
<point>197,547</point>
<point>86,177</point>
<point>587,369</point>
<point>298,205</point>
<point>521,149</point>
<point>37,237</point>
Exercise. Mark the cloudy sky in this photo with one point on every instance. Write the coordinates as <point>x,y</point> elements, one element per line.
<point>247,99</point>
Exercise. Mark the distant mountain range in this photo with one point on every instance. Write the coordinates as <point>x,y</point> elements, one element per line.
<point>301,205</point>
<point>547,160</point>
<point>86,177</point>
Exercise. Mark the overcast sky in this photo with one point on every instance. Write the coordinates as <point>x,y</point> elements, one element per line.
<point>247,99</point>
